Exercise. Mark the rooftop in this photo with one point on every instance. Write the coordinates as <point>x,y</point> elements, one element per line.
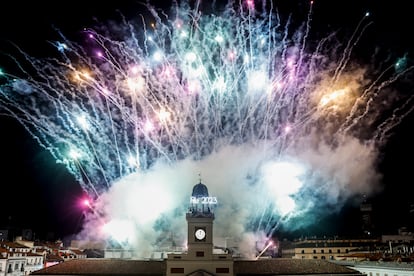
<point>241,267</point>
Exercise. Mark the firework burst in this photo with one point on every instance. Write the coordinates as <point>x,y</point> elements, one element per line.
<point>274,119</point>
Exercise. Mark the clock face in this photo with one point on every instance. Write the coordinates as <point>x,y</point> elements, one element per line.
<point>200,234</point>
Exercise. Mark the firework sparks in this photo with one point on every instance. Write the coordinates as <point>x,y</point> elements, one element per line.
<point>274,121</point>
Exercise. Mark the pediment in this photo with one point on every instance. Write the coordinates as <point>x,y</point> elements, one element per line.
<point>200,272</point>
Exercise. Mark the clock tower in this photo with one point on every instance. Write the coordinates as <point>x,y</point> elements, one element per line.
<point>200,256</point>
<point>200,218</point>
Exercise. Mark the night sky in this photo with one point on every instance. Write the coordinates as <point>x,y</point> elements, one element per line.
<point>38,194</point>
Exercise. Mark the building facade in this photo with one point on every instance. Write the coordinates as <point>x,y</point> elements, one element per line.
<point>17,259</point>
<point>200,257</point>
<point>329,249</point>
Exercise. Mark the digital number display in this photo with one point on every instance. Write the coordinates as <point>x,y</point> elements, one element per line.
<point>203,200</point>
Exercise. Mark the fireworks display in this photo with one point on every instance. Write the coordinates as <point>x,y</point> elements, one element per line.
<point>283,126</point>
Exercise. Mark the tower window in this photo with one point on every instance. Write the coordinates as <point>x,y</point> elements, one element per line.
<point>200,254</point>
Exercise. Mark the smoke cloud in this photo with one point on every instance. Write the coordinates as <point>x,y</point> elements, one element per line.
<point>250,187</point>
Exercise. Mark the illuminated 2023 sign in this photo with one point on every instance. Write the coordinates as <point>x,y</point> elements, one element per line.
<point>203,200</point>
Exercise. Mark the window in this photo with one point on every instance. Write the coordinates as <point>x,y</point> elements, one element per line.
<point>314,251</point>
<point>200,254</point>
<point>339,251</point>
<point>330,250</point>
<point>322,251</point>
<point>303,251</point>
<point>222,270</point>
<point>177,269</point>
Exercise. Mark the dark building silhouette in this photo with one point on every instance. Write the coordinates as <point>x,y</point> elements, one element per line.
<point>4,234</point>
<point>367,224</point>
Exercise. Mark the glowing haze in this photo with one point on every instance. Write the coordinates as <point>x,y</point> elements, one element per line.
<point>281,125</point>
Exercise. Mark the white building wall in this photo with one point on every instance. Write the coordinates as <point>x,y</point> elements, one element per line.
<point>3,263</point>
<point>33,263</point>
<point>15,266</point>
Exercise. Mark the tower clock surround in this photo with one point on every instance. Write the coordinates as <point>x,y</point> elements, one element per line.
<point>200,256</point>
<point>200,234</point>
